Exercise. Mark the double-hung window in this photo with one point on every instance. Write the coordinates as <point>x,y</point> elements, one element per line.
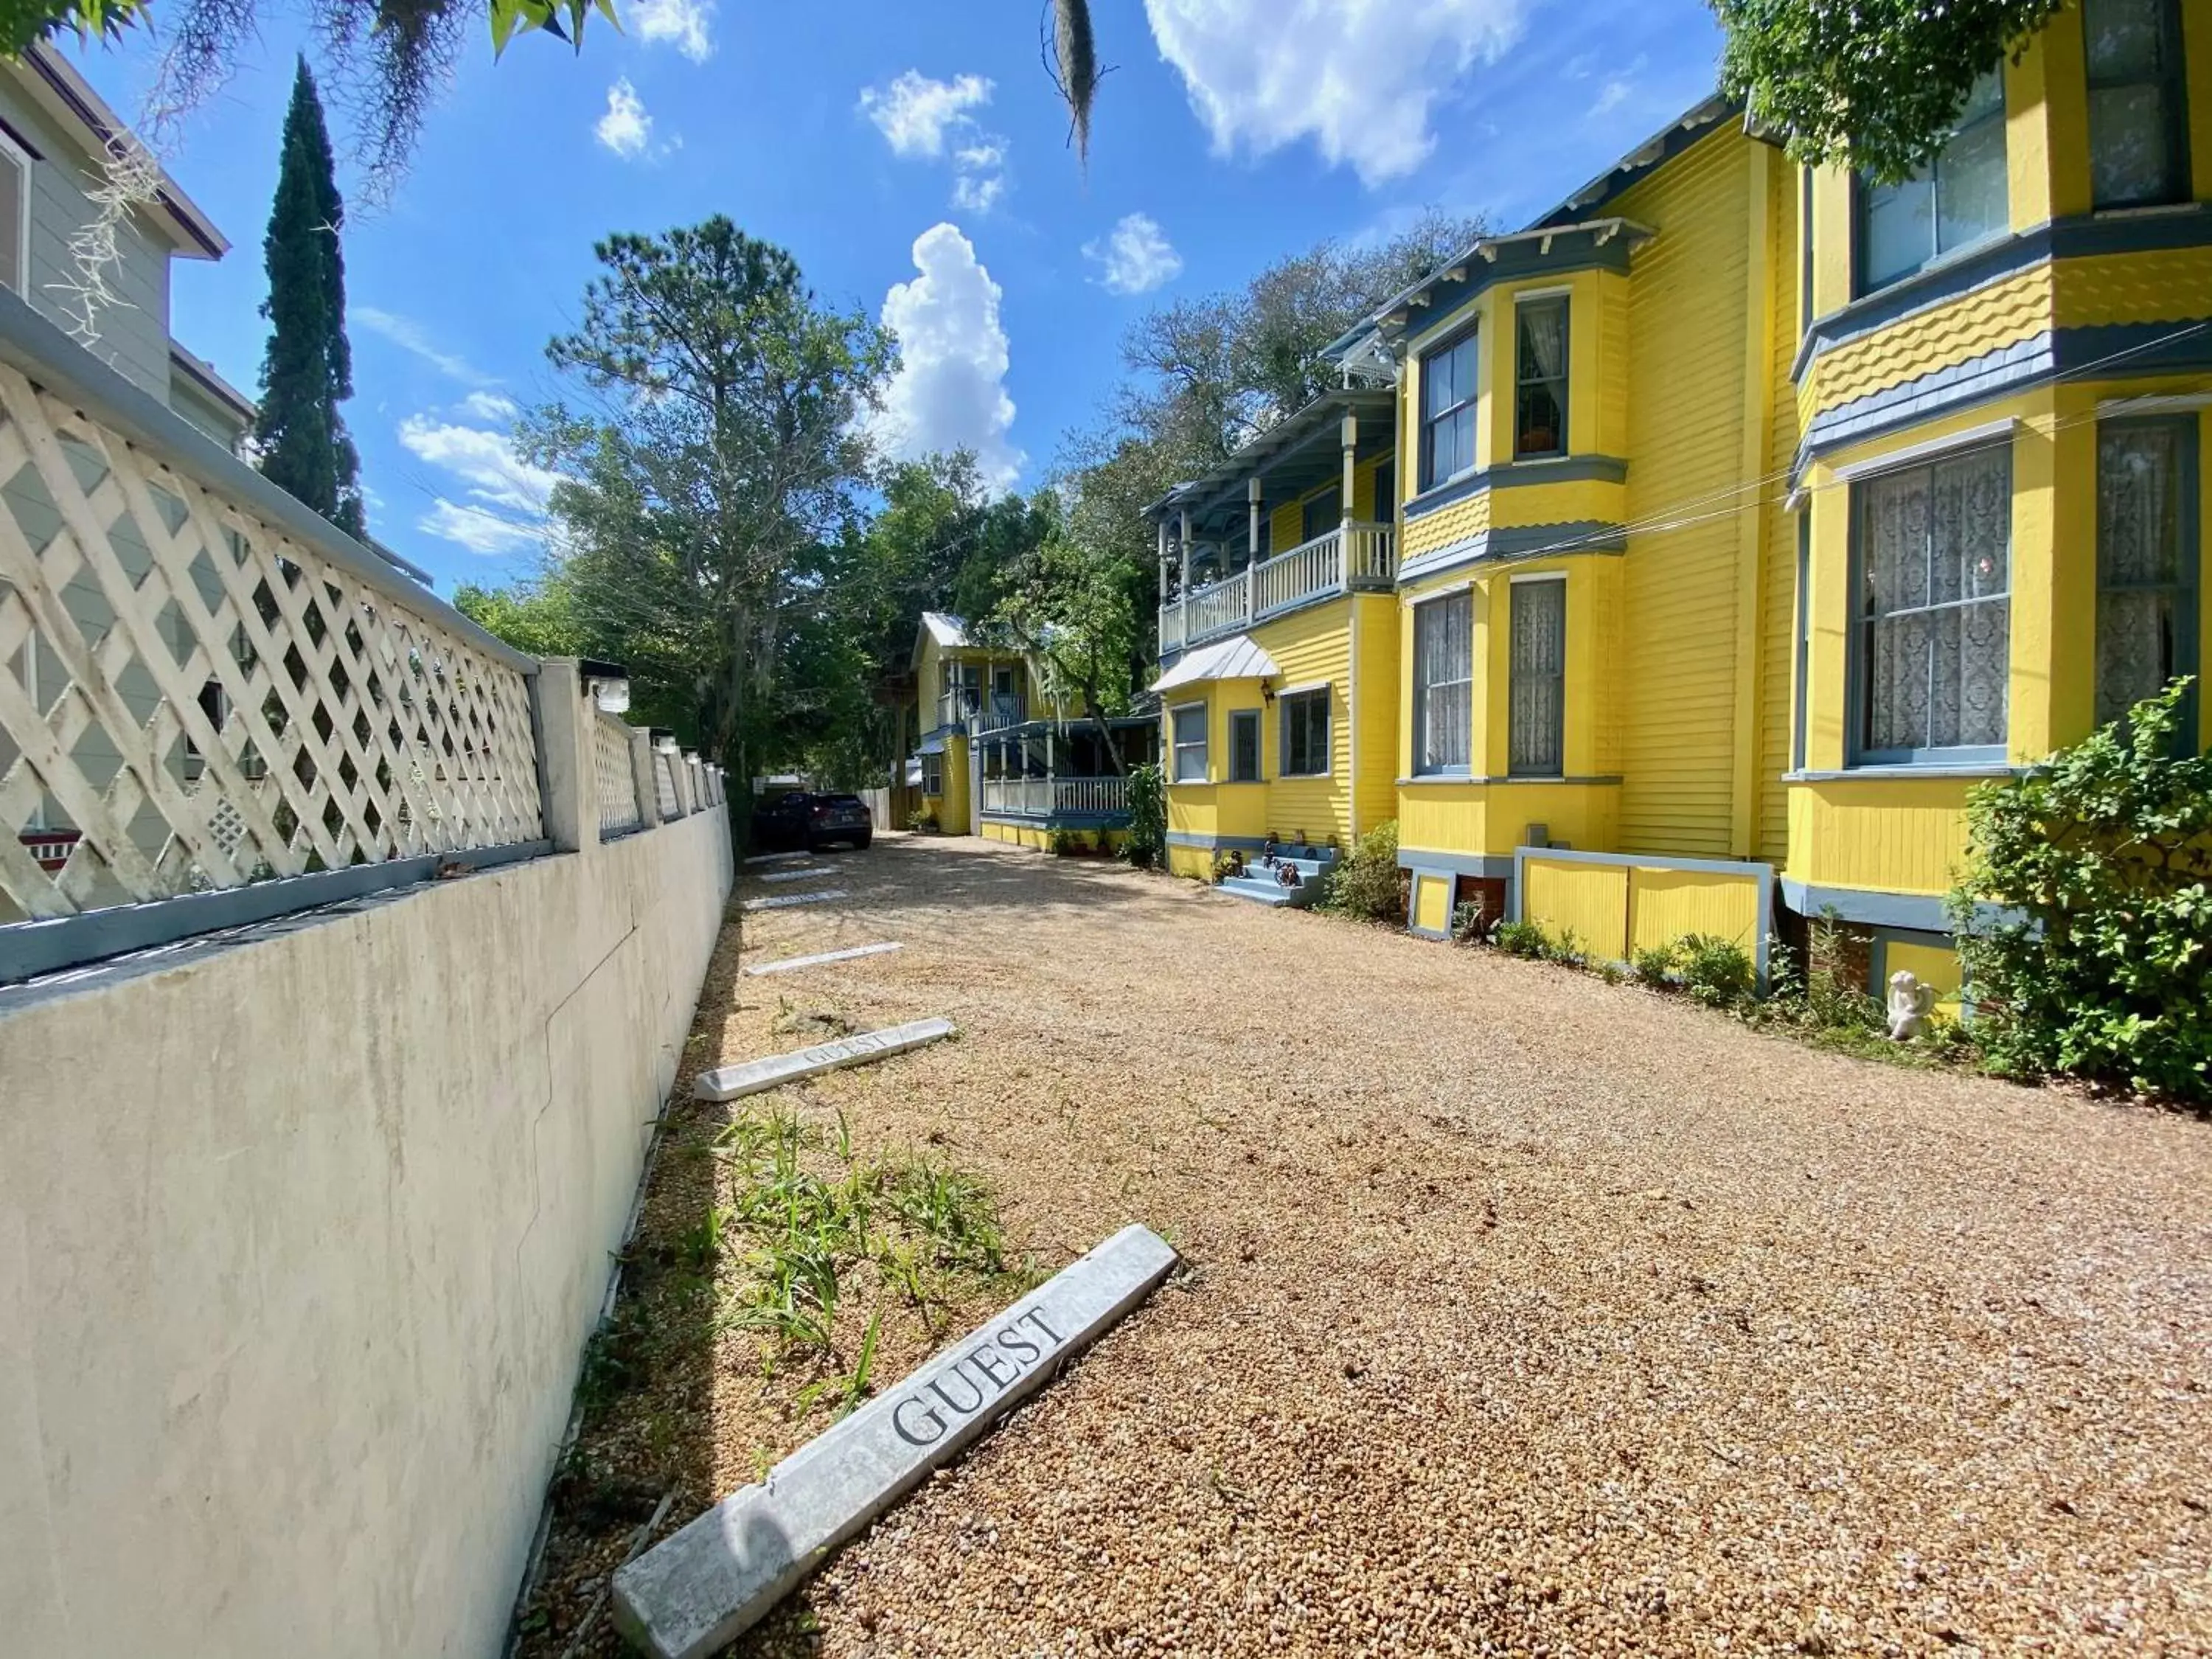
<point>1305,734</point>
<point>1539,378</point>
<point>1444,683</point>
<point>14,216</point>
<point>2147,560</point>
<point>932,775</point>
<point>1189,739</point>
<point>1536,738</point>
<point>1448,406</point>
<point>1933,560</point>
<point>2138,103</point>
<point>1957,199</point>
<point>1244,745</point>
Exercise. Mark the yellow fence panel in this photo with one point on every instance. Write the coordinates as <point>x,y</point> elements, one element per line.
<point>1588,900</point>
<point>1432,896</point>
<point>1664,905</point>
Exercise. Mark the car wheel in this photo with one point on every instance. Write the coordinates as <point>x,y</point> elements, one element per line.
<point>860,843</point>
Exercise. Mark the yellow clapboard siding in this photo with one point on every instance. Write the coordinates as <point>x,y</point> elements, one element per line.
<point>1885,835</point>
<point>1665,905</point>
<point>1588,902</point>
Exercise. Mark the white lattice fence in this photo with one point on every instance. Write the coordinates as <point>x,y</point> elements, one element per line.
<point>664,783</point>
<point>610,770</point>
<point>208,702</point>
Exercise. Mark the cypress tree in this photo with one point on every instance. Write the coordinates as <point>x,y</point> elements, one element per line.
<point>308,369</point>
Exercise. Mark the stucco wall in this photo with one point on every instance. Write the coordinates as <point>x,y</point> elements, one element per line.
<point>299,1242</point>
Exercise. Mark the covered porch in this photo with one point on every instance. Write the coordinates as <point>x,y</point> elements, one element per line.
<point>1226,562</point>
<point>1053,775</point>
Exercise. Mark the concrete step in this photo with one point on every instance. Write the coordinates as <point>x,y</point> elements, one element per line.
<point>1268,893</point>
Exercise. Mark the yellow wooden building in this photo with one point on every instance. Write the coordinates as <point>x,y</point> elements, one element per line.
<point>998,754</point>
<point>1742,517</point>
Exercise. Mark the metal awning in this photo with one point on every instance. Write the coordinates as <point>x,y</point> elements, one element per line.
<point>933,744</point>
<point>1233,659</point>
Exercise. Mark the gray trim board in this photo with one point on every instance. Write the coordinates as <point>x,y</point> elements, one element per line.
<point>1439,871</point>
<point>51,360</point>
<point>1757,867</point>
<point>28,949</point>
<point>1981,267</point>
<point>1467,779</point>
<point>1913,912</point>
<point>1486,866</point>
<point>1518,474</point>
<point>1515,543</point>
<point>1901,774</point>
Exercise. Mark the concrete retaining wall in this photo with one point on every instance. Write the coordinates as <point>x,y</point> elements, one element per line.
<point>301,1239</point>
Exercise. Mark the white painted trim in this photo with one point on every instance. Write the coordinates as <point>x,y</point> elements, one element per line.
<point>1913,454</point>
<point>1537,576</point>
<point>12,151</point>
<point>1202,706</point>
<point>2114,409</point>
<point>1556,291</point>
<point>1302,690</point>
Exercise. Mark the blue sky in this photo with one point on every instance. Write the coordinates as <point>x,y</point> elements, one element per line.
<point>910,154</point>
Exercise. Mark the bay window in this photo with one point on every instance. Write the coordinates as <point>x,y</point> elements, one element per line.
<point>1444,683</point>
<point>2138,104</point>
<point>1539,378</point>
<point>1189,741</point>
<point>1934,573</point>
<point>1448,406</point>
<point>1536,745</point>
<point>2146,562</point>
<point>1955,200</point>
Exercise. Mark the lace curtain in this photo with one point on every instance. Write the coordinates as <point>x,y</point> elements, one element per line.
<point>1537,739</point>
<point>2142,596</point>
<point>1937,548</point>
<point>1444,682</point>
<point>1540,415</point>
<point>2134,150</point>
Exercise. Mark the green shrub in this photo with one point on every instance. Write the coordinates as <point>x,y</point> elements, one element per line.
<point>1658,964</point>
<point>1520,939</point>
<point>1065,843</point>
<point>922,824</point>
<point>2084,914</point>
<point>1566,949</point>
<point>1367,884</point>
<point>1469,924</point>
<point>1717,972</point>
<point>1146,847</point>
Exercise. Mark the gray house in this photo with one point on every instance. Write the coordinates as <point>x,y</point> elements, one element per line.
<point>54,134</point>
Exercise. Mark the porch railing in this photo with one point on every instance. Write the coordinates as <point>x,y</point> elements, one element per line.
<point>1352,557</point>
<point>983,711</point>
<point>1037,798</point>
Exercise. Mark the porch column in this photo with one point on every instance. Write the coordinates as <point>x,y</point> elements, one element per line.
<point>1163,528</point>
<point>1252,557</point>
<point>1185,542</point>
<point>1348,436</point>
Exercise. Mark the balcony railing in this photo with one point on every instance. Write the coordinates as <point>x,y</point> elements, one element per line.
<point>1352,557</point>
<point>981,711</point>
<point>1038,797</point>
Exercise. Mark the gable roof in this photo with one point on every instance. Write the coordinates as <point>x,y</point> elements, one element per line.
<point>53,83</point>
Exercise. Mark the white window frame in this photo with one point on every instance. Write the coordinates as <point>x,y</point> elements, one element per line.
<point>1465,681</point>
<point>1175,744</point>
<point>1300,695</point>
<point>22,160</point>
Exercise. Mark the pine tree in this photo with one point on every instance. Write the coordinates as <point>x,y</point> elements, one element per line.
<point>308,370</point>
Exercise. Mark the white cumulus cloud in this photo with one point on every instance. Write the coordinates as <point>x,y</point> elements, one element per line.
<point>683,24</point>
<point>950,391</point>
<point>490,406</point>
<point>502,509</point>
<point>915,113</point>
<point>923,120</point>
<point>1361,78</point>
<point>625,129</point>
<point>1135,257</point>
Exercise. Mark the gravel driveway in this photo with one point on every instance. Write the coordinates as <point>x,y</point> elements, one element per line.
<point>1525,1313</point>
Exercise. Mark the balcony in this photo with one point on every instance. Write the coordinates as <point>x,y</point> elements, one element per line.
<point>978,711</point>
<point>1354,558</point>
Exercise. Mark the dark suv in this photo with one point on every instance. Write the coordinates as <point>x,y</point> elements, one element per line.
<point>798,817</point>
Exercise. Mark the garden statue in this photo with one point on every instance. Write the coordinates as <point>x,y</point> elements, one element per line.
<point>1909,1004</point>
